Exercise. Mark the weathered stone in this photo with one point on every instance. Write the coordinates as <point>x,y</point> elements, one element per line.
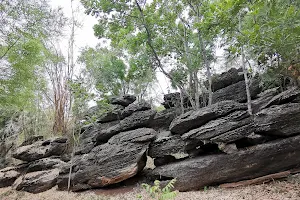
<point>280,120</point>
<point>136,120</point>
<point>225,79</point>
<point>163,119</point>
<point>113,114</point>
<point>41,149</point>
<point>44,164</point>
<point>88,136</point>
<point>263,99</point>
<point>124,100</point>
<point>195,119</point>
<point>32,139</point>
<point>8,176</point>
<point>36,182</point>
<point>122,157</point>
<point>260,160</point>
<point>284,97</point>
<point>234,126</point>
<point>236,92</point>
<point>134,107</point>
<point>173,146</point>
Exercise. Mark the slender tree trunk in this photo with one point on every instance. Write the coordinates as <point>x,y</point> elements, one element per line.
<point>245,75</point>
<point>197,95</point>
<point>181,102</point>
<point>206,64</point>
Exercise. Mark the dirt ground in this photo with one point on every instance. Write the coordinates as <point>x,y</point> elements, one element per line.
<point>276,190</point>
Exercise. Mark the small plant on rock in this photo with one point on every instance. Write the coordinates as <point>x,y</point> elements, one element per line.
<point>156,192</point>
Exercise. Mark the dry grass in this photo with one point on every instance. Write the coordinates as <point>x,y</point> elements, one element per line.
<point>277,190</point>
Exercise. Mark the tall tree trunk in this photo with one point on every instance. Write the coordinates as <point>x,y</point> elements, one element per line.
<point>197,95</point>
<point>206,64</point>
<point>245,75</point>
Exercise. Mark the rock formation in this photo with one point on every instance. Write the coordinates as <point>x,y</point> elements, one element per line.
<point>213,145</point>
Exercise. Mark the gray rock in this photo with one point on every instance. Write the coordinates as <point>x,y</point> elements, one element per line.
<point>232,127</point>
<point>41,149</point>
<point>236,92</point>
<point>163,119</point>
<point>225,79</point>
<point>172,146</point>
<point>164,160</point>
<point>8,176</point>
<point>124,100</point>
<point>260,160</point>
<point>36,182</point>
<point>195,119</point>
<point>134,107</point>
<point>279,120</point>
<point>263,99</point>
<point>122,157</point>
<point>113,114</point>
<point>45,164</point>
<point>284,97</point>
<point>136,120</point>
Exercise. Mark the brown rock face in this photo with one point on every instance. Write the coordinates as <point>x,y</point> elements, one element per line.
<point>122,157</point>
<point>260,160</point>
<point>36,182</point>
<point>41,149</point>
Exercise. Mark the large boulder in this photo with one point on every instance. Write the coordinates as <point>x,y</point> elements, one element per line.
<point>124,100</point>
<point>36,182</point>
<point>284,97</point>
<point>135,120</point>
<point>88,136</point>
<point>122,157</point>
<point>236,92</point>
<point>8,176</point>
<point>134,107</point>
<point>225,79</point>
<point>195,119</point>
<point>280,120</point>
<point>230,128</point>
<point>41,149</point>
<point>260,160</point>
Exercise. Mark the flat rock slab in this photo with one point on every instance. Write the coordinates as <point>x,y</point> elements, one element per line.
<point>236,92</point>
<point>122,157</point>
<point>44,164</point>
<point>8,176</point>
<point>263,99</point>
<point>278,120</point>
<point>284,97</point>
<point>225,79</point>
<point>124,100</point>
<point>41,149</point>
<point>134,107</point>
<point>36,182</point>
<point>136,120</point>
<point>195,119</point>
<point>257,161</point>
<point>230,128</point>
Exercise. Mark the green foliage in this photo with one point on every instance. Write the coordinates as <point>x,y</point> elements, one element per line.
<point>157,193</point>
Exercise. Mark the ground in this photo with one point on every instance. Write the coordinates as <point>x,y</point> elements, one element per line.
<point>276,190</point>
